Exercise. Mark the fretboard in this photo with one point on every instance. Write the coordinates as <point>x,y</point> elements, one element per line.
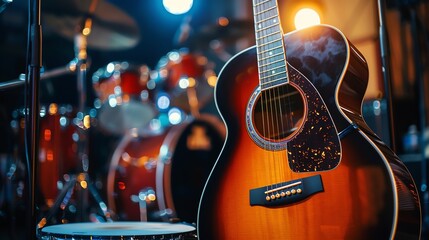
<point>269,44</point>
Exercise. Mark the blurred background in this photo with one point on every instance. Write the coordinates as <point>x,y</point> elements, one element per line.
<point>150,46</point>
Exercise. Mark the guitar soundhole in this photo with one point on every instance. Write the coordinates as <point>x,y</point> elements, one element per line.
<point>278,113</point>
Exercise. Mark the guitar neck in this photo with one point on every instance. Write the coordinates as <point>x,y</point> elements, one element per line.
<point>269,44</point>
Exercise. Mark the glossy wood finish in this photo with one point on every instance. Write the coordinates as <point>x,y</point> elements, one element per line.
<point>369,195</point>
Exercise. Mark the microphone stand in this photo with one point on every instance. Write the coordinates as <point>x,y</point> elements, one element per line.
<point>34,54</point>
<point>385,67</point>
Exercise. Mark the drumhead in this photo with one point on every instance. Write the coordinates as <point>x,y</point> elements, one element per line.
<point>116,229</point>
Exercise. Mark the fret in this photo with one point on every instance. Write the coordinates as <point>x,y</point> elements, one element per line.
<point>270,45</point>
<point>265,71</point>
<point>266,13</point>
<point>270,40</point>
<point>264,4</point>
<point>280,47</point>
<point>274,82</point>
<point>278,33</point>
<point>270,55</point>
<point>262,45</point>
<point>273,71</point>
<point>262,58</point>
<point>268,36</point>
<point>261,30</point>
<point>266,19</point>
<point>276,64</point>
<point>274,77</point>
<point>260,3</point>
<point>268,61</point>
<point>265,10</point>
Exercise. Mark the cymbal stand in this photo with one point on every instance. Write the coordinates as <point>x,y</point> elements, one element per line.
<point>34,64</point>
<point>82,121</point>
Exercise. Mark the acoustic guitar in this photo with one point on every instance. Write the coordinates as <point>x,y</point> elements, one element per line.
<point>299,161</point>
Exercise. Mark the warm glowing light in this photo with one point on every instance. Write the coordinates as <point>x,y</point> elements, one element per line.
<point>212,80</point>
<point>306,17</point>
<point>177,7</point>
<point>50,155</point>
<point>47,135</point>
<point>191,82</point>
<point>84,184</point>
<point>223,21</point>
<point>87,121</point>
<point>121,186</point>
<point>151,197</point>
<point>53,109</point>
<point>86,31</point>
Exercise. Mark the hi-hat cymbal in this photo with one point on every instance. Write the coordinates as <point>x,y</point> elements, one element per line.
<point>112,29</point>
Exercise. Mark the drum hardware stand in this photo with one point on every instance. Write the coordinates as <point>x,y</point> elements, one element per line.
<point>69,68</point>
<point>415,24</point>
<point>384,49</point>
<point>82,122</point>
<point>34,65</point>
<point>145,196</point>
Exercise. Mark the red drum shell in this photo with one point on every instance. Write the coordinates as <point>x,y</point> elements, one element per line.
<point>121,79</point>
<point>174,164</point>
<point>57,149</point>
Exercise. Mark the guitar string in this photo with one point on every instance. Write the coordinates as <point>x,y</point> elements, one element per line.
<point>273,103</point>
<point>272,168</point>
<point>280,95</point>
<point>262,118</point>
<point>273,100</point>
<point>269,122</point>
<point>278,128</point>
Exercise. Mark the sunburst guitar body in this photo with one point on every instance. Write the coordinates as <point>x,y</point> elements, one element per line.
<point>299,161</point>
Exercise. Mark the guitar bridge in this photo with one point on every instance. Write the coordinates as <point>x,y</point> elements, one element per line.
<point>286,193</point>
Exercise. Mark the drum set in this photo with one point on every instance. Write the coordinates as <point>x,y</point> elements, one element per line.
<point>164,142</point>
<point>166,145</point>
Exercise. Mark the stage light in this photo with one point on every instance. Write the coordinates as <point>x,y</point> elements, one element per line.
<point>175,116</point>
<point>306,17</point>
<point>177,7</point>
<point>163,102</point>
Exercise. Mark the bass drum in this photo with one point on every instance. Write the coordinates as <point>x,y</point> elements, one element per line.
<point>160,177</point>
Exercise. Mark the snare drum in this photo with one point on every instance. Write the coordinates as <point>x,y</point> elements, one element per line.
<point>119,230</point>
<point>160,177</point>
<point>125,96</point>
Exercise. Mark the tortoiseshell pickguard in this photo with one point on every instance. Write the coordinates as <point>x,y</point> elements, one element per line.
<point>317,146</point>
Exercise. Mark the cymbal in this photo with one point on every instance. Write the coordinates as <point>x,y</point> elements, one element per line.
<point>112,29</point>
<point>226,31</point>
